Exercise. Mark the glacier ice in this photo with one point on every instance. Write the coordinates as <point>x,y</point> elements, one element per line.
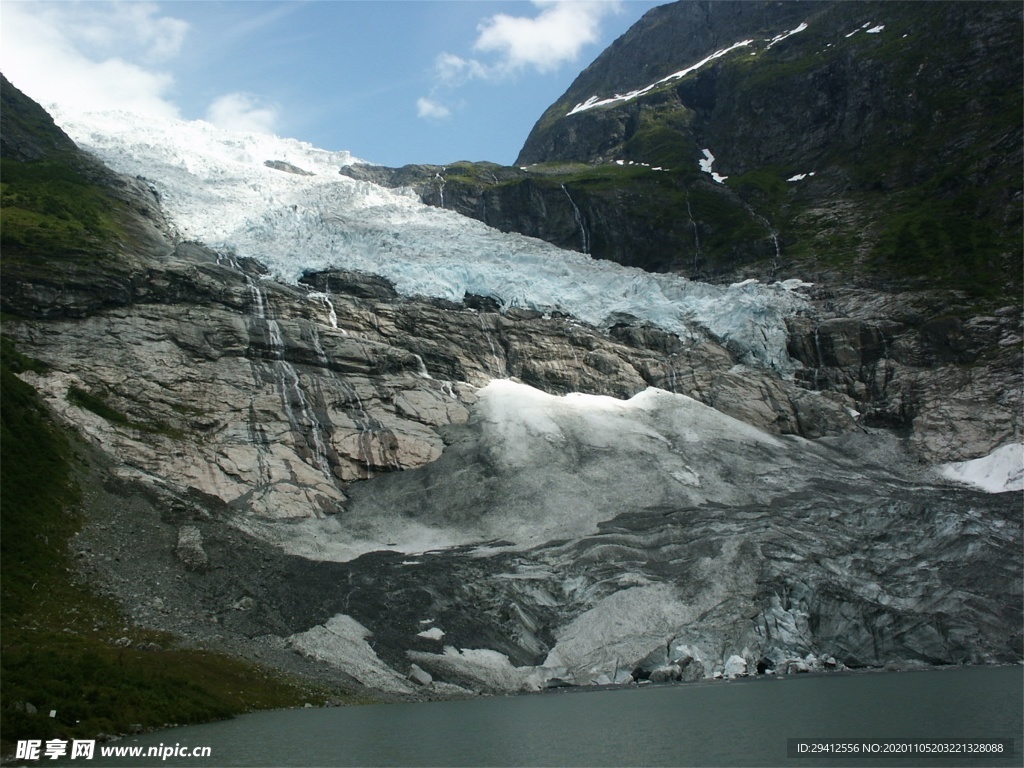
<point>216,188</point>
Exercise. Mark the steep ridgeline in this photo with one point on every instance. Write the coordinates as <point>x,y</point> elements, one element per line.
<point>493,465</point>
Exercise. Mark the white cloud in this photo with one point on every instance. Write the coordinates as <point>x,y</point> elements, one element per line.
<point>242,112</point>
<point>552,38</point>
<point>432,110</point>
<point>98,56</point>
<point>555,36</point>
<point>127,26</point>
<point>451,70</point>
<point>78,56</point>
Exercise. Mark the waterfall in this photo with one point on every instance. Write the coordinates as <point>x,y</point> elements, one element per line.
<point>820,361</point>
<point>309,419</point>
<point>422,368</point>
<point>696,234</point>
<point>289,384</point>
<point>325,299</point>
<point>672,373</point>
<point>772,232</point>
<point>500,367</point>
<point>321,354</point>
<point>584,237</point>
<point>440,187</point>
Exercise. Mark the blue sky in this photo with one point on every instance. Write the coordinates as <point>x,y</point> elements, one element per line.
<point>394,82</point>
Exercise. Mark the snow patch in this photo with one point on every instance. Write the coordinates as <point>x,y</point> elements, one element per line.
<point>434,633</point>
<point>784,35</point>
<point>342,642</point>
<point>800,176</point>
<point>707,162</point>
<point>999,472</point>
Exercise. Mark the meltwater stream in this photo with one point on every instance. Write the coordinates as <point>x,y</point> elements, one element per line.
<point>737,723</point>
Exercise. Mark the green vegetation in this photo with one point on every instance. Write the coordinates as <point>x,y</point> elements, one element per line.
<point>944,241</point>
<point>38,493</point>
<point>610,176</point>
<point>766,190</point>
<point>48,207</point>
<point>98,405</point>
<point>663,138</point>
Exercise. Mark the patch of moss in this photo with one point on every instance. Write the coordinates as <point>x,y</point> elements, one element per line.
<point>16,361</point>
<point>608,176</point>
<point>48,207</point>
<point>98,405</point>
<point>96,687</point>
<point>765,189</point>
<point>663,137</point>
<point>38,493</point>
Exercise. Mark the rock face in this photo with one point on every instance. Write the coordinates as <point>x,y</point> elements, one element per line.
<point>505,500</point>
<point>271,429</point>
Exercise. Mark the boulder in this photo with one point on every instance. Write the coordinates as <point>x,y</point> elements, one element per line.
<point>735,666</point>
<point>419,675</point>
<point>189,549</point>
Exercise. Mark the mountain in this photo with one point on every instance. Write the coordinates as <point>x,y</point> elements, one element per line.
<point>336,431</point>
<point>876,142</point>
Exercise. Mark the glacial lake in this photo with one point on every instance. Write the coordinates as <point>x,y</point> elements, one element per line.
<point>719,723</point>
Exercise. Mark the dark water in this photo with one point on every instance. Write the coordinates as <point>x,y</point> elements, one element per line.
<point>738,723</point>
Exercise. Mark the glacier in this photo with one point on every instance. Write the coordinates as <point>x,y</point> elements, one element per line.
<point>216,187</point>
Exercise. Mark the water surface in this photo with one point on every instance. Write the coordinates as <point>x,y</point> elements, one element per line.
<point>735,723</point>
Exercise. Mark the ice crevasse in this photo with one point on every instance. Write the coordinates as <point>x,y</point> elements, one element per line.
<point>216,188</point>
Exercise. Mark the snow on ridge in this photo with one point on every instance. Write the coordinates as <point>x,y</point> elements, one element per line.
<point>779,38</point>
<point>216,189</point>
<point>596,101</point>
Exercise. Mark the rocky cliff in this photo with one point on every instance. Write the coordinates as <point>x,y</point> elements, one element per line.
<point>501,496</point>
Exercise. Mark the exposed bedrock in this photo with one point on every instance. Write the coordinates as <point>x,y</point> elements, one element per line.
<point>325,470</point>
